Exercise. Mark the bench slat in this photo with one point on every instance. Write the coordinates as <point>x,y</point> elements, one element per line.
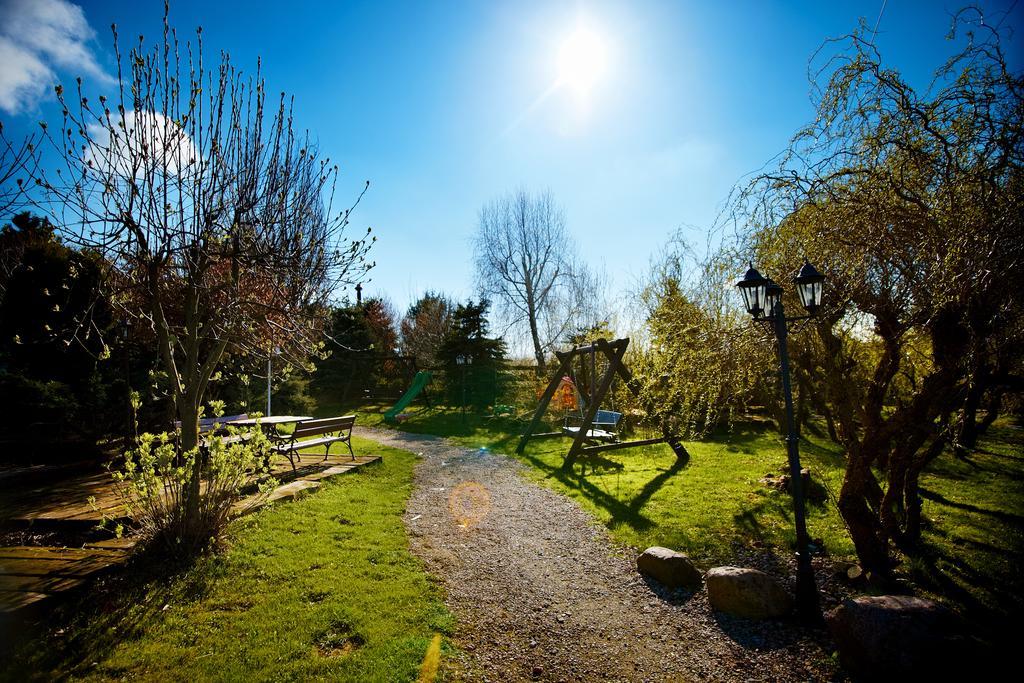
<point>309,443</point>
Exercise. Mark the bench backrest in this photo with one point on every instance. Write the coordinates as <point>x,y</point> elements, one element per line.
<point>326,425</point>
<point>607,417</point>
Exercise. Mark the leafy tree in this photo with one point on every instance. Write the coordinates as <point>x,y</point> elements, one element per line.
<point>425,326</point>
<point>381,321</point>
<point>216,217</point>
<point>911,203</point>
<point>701,362</point>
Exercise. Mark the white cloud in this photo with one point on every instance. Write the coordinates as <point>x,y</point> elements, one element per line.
<point>23,77</point>
<point>143,142</point>
<point>37,36</point>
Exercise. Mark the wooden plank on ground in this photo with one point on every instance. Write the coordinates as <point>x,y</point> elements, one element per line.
<point>291,490</point>
<point>11,601</point>
<point>29,573</point>
<point>330,472</point>
<point>123,543</point>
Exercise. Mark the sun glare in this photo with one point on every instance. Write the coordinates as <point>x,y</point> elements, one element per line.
<point>582,60</point>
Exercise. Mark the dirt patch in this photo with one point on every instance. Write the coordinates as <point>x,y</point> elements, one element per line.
<point>338,640</point>
<point>542,592</point>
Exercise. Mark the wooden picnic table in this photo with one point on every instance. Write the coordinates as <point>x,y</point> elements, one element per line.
<point>269,424</point>
<point>270,420</point>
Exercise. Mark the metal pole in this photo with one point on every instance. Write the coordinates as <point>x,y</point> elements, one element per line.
<point>269,356</point>
<point>806,590</point>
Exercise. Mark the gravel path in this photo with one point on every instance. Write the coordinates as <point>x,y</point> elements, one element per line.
<point>542,593</point>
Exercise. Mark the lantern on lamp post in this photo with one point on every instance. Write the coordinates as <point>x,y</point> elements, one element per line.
<point>763,300</point>
<point>809,286</point>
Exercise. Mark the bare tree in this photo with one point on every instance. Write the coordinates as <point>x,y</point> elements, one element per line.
<point>18,164</point>
<point>526,262</point>
<point>217,220</point>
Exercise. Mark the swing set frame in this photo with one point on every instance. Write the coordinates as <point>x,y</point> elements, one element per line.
<point>584,443</point>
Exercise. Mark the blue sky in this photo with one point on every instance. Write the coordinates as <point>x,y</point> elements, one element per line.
<point>439,105</point>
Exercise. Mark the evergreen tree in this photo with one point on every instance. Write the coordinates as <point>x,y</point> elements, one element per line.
<point>474,363</point>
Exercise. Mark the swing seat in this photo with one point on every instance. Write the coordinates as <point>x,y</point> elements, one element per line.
<point>602,429</point>
<point>593,434</point>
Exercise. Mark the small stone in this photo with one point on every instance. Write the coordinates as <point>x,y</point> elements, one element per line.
<point>747,593</point>
<point>669,568</point>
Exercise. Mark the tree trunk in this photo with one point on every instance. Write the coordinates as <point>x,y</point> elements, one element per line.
<point>872,548</point>
<point>531,315</point>
<point>830,422</point>
<point>992,409</point>
<point>188,414</point>
<point>967,434</point>
<point>538,352</point>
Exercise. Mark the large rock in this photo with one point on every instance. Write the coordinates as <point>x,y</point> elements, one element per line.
<point>886,635</point>
<point>669,568</point>
<point>747,593</point>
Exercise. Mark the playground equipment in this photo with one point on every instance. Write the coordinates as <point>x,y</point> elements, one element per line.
<point>597,429</point>
<point>419,384</point>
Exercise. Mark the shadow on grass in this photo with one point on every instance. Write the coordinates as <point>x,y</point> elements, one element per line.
<point>750,515</point>
<point>87,625</point>
<point>1008,517</point>
<point>622,512</point>
<point>503,434</point>
<point>992,608</point>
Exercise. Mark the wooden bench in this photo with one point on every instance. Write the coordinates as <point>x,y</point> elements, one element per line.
<point>324,432</point>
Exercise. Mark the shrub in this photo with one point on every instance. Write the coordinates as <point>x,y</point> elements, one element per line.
<point>153,481</point>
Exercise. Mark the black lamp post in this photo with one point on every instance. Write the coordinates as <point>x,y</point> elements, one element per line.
<point>763,300</point>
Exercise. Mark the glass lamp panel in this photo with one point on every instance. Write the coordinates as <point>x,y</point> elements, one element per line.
<point>747,296</point>
<point>772,295</point>
<point>760,300</point>
<point>810,294</point>
<point>753,295</point>
<point>806,294</point>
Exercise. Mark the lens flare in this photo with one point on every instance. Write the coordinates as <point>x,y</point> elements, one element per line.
<point>469,504</point>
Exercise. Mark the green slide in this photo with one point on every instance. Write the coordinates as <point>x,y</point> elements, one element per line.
<point>421,380</point>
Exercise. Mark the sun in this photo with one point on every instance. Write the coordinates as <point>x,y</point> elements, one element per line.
<point>582,60</point>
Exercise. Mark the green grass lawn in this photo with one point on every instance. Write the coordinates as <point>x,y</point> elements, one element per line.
<point>320,588</point>
<point>974,511</point>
